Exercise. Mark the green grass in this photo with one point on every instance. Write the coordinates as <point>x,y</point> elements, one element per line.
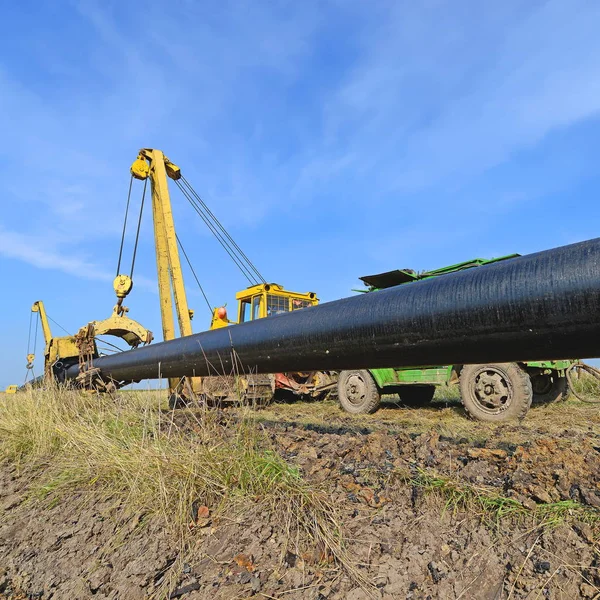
<point>494,508</point>
<point>587,387</point>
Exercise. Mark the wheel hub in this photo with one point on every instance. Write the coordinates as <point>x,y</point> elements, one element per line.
<point>356,389</point>
<point>492,391</point>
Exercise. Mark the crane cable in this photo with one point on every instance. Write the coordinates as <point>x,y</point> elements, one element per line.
<point>139,223</point>
<point>137,234</point>
<point>226,246</point>
<point>194,273</point>
<point>30,368</point>
<point>124,226</point>
<point>137,237</point>
<point>35,337</point>
<point>29,334</point>
<point>241,253</point>
<point>239,257</point>
<point>105,343</point>
<point>58,324</point>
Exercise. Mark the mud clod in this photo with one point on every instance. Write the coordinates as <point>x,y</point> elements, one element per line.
<point>541,566</point>
<point>436,573</point>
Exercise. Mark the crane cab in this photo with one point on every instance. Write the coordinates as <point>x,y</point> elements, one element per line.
<point>263,300</point>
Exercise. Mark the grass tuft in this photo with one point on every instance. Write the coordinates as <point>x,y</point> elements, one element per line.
<point>127,448</point>
<point>492,507</point>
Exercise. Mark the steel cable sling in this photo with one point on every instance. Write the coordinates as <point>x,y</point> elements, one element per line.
<point>139,223</point>
<point>224,231</point>
<point>240,259</point>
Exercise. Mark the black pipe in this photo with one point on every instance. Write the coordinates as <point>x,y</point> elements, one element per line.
<point>539,306</point>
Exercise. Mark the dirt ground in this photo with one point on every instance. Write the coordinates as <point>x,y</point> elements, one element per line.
<point>430,505</point>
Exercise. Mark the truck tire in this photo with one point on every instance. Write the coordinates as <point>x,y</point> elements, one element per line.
<point>176,401</point>
<point>416,395</point>
<point>357,392</point>
<point>549,388</point>
<point>495,392</point>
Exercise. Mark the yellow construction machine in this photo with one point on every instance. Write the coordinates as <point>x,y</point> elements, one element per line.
<point>260,300</point>
<point>263,300</point>
<point>56,349</point>
<point>61,352</point>
<point>257,302</point>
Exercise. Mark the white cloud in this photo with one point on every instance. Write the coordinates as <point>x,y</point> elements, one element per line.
<point>441,92</point>
<point>50,254</point>
<point>43,256</point>
<point>264,112</point>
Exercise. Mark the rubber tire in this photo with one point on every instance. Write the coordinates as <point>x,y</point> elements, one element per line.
<point>371,398</point>
<point>559,390</point>
<point>176,402</point>
<point>416,395</point>
<point>521,392</point>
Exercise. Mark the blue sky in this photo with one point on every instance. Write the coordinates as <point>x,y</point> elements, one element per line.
<point>333,139</point>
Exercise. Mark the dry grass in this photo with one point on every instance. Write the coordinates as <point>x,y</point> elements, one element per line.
<point>444,416</point>
<point>128,448</point>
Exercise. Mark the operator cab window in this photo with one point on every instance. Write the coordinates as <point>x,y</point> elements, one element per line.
<point>244,311</point>
<point>277,304</point>
<point>256,308</point>
<point>298,303</point>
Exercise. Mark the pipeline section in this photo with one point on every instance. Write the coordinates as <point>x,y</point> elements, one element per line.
<point>540,306</point>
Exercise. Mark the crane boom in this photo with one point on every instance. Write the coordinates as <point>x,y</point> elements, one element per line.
<point>154,164</point>
<point>38,307</point>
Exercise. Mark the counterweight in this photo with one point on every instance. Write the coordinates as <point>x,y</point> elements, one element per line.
<point>540,306</point>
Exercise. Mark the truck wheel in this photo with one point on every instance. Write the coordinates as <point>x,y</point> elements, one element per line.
<point>177,401</point>
<point>495,392</point>
<point>358,392</point>
<point>416,395</point>
<point>549,388</point>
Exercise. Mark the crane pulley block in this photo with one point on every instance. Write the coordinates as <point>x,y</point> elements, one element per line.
<point>173,171</point>
<point>122,285</point>
<point>140,168</point>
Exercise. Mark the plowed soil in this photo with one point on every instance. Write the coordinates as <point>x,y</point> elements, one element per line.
<point>429,504</point>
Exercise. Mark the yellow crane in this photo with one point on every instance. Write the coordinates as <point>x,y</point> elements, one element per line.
<point>153,164</point>
<point>56,349</point>
<point>63,351</point>
<point>260,300</point>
